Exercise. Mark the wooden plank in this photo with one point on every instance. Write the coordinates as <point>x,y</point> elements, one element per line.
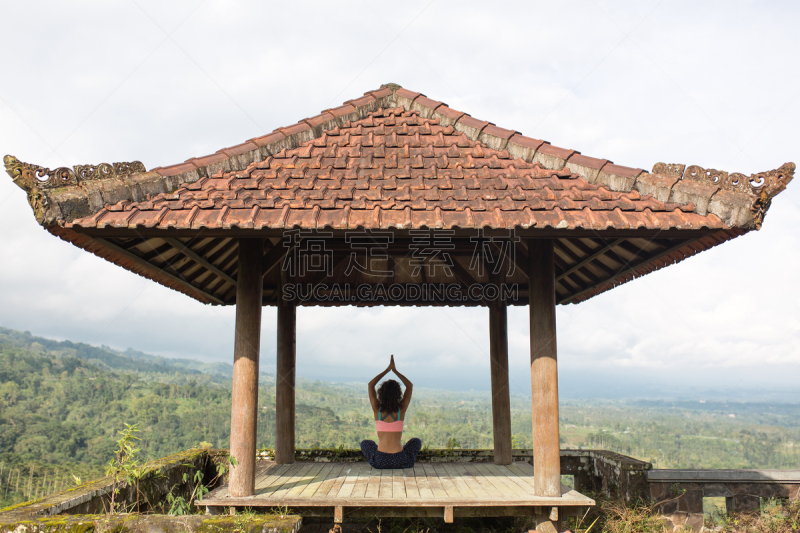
<point>305,480</point>
<point>410,482</point>
<point>313,486</point>
<point>385,490</point>
<point>458,480</point>
<point>434,482</point>
<point>421,479</point>
<point>447,483</point>
<point>504,476</point>
<point>270,476</point>
<point>374,483</point>
<point>495,490</point>
<point>280,480</point>
<point>360,490</point>
<point>448,514</point>
<point>333,475</point>
<point>510,500</point>
<point>398,484</point>
<point>524,480</point>
<point>339,481</point>
<point>349,481</point>
<point>523,474</point>
<point>294,475</point>
<point>467,476</point>
<point>508,489</point>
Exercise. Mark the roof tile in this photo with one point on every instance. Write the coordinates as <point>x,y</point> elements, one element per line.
<point>407,94</point>
<point>447,116</point>
<point>425,106</point>
<point>588,167</point>
<point>172,170</point>
<point>270,138</point>
<point>396,168</point>
<point>239,149</point>
<point>552,157</point>
<point>618,178</point>
<point>496,138</point>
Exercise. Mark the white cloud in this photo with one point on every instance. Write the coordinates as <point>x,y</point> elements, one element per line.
<point>633,82</point>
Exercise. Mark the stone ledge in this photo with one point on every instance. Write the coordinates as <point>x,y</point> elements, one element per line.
<point>723,476</point>
<point>155,523</point>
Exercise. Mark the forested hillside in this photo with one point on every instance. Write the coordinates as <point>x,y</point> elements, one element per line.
<point>62,403</point>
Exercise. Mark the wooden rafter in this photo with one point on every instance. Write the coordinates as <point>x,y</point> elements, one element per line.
<point>589,259</point>
<point>275,256</point>
<point>162,271</point>
<point>184,249</point>
<point>625,271</point>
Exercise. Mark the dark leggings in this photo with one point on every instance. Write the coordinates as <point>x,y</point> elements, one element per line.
<point>404,459</point>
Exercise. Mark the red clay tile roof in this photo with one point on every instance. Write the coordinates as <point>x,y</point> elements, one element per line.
<point>395,169</point>
<point>394,158</point>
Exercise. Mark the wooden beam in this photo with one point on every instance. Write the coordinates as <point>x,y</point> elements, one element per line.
<point>626,271</point>
<point>184,249</point>
<point>458,233</point>
<point>463,276</point>
<point>155,251</point>
<point>160,271</point>
<point>520,258</point>
<point>544,371</point>
<point>285,378</point>
<point>501,397</point>
<point>585,250</point>
<point>246,350</point>
<point>275,256</point>
<point>589,259</point>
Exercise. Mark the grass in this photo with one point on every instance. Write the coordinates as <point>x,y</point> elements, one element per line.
<point>774,517</point>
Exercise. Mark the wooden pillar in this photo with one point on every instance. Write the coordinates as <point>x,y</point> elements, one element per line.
<point>285,379</point>
<point>501,399</point>
<point>246,349</point>
<point>544,372</point>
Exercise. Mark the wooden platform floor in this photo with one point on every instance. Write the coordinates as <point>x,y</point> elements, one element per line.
<point>434,485</point>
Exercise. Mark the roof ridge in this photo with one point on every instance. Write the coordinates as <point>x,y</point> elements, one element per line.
<point>736,199</point>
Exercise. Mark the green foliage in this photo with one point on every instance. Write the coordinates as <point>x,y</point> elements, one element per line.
<point>125,467</point>
<point>61,404</point>
<point>180,506</point>
<point>775,516</point>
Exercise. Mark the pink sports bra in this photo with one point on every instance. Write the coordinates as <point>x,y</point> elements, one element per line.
<point>382,425</point>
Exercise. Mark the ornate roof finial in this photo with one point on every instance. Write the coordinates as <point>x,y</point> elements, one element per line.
<point>35,180</point>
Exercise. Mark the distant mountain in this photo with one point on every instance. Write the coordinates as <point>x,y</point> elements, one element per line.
<point>129,361</point>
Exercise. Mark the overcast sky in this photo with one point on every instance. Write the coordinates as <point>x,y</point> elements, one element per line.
<point>708,83</point>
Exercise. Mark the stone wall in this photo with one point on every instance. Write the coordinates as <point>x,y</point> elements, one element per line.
<point>86,508</point>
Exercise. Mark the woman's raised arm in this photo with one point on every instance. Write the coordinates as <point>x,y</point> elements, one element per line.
<point>406,382</point>
<point>373,394</point>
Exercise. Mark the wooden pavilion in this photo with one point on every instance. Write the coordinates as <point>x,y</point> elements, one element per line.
<point>396,199</point>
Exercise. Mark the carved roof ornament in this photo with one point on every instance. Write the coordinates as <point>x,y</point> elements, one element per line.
<point>762,187</point>
<point>44,178</point>
<point>770,183</point>
<point>36,180</point>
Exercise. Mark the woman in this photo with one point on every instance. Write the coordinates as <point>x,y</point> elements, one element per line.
<point>389,406</point>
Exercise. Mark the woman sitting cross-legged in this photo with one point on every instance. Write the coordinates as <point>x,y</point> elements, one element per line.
<point>389,405</point>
